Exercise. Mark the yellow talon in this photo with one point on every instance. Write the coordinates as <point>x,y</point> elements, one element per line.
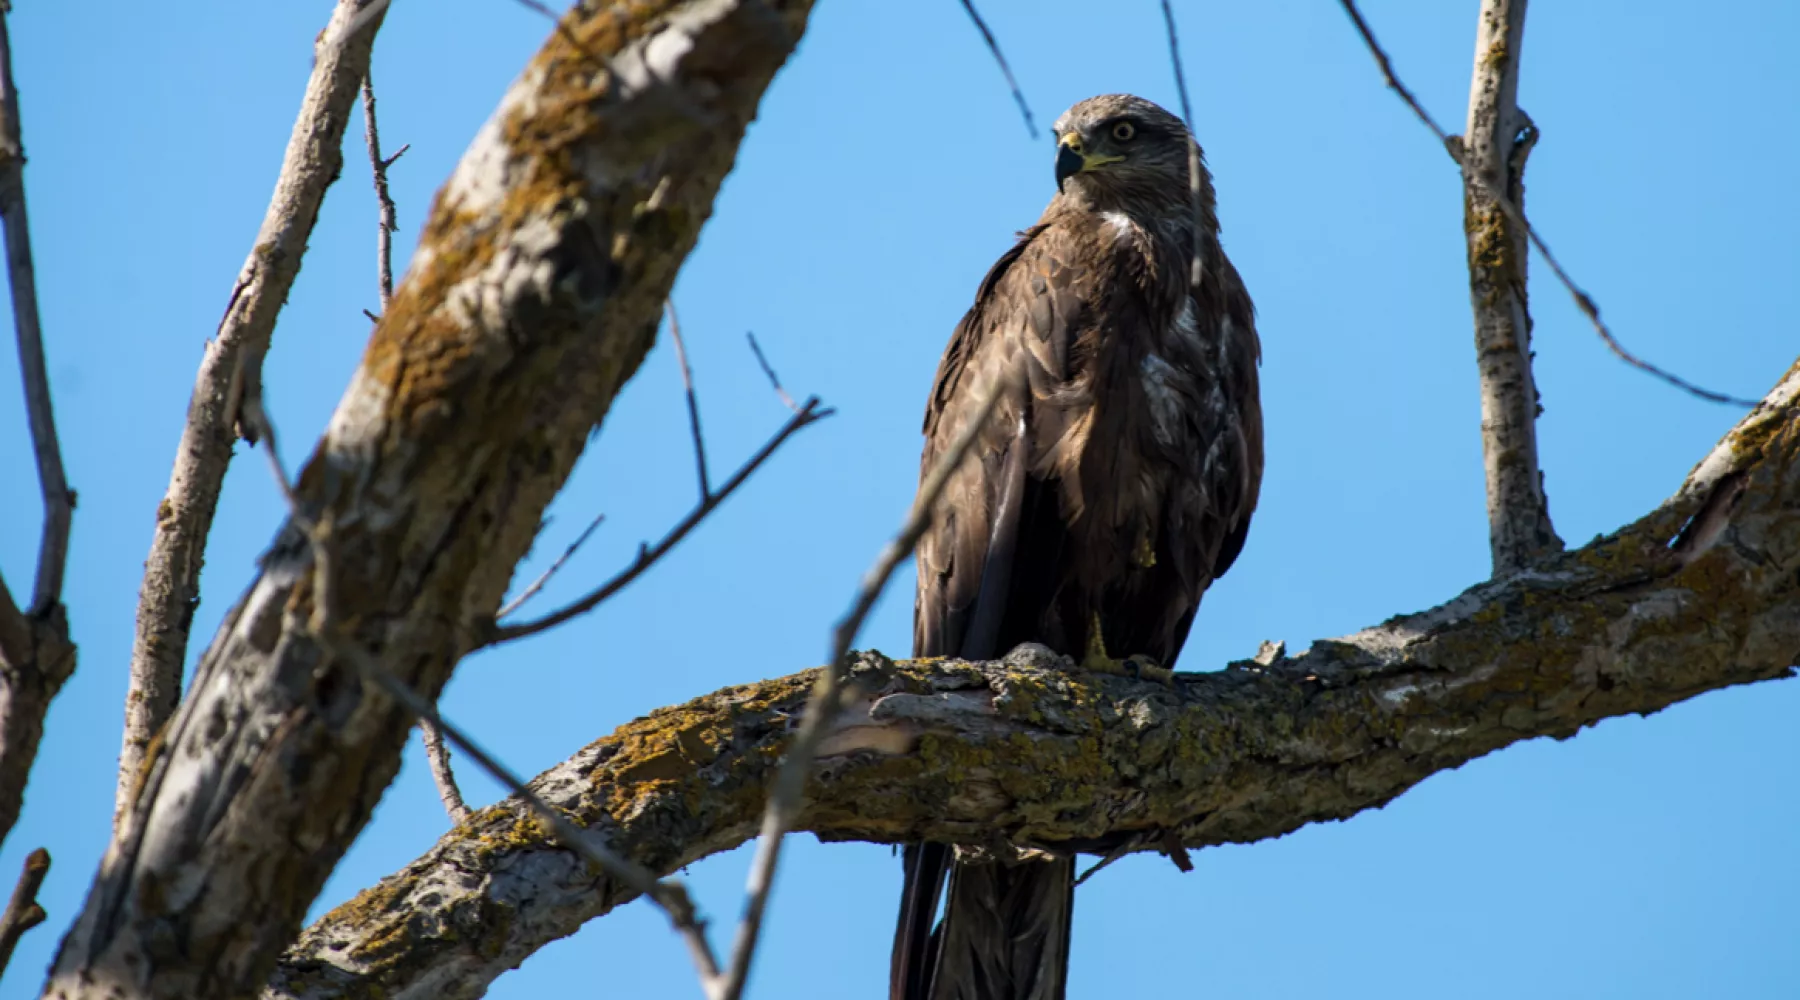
<point>1136,666</point>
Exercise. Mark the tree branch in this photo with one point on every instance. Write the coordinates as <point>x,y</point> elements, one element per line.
<point>1697,595</point>
<point>532,298</point>
<point>388,219</point>
<point>231,375</point>
<point>36,654</point>
<point>1583,301</point>
<point>22,910</point>
<point>438,756</point>
<point>1494,147</point>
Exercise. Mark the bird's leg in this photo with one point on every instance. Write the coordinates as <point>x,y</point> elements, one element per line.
<point>1136,665</point>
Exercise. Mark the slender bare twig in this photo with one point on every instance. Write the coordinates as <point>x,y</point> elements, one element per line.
<point>22,911</point>
<point>438,755</point>
<point>538,584</point>
<point>59,500</point>
<point>693,402</point>
<point>389,220</point>
<point>809,413</point>
<point>774,380</point>
<point>230,374</point>
<point>1196,266</point>
<point>994,47</point>
<point>1583,301</point>
<point>669,896</point>
<point>826,698</point>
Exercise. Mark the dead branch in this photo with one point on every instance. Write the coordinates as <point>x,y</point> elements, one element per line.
<point>1495,145</point>
<point>826,700</point>
<point>774,379</point>
<point>22,910</point>
<point>970,753</point>
<point>1583,301</point>
<point>1196,186</point>
<point>36,654</point>
<point>538,584</point>
<point>1005,70</point>
<point>495,633</point>
<point>388,221</point>
<point>499,354</point>
<point>231,375</point>
<point>438,756</point>
<point>693,401</point>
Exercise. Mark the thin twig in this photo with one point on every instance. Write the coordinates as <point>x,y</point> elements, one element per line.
<point>538,584</point>
<point>774,380</point>
<point>438,756</point>
<point>649,554</point>
<point>1196,266</point>
<point>22,911</point>
<point>1583,301</point>
<point>389,219</point>
<point>693,402</point>
<point>823,704</point>
<point>994,47</point>
<point>59,500</point>
<point>670,896</point>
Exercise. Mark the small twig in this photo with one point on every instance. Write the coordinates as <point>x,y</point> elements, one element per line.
<point>649,554</point>
<point>1197,266</point>
<point>693,402</point>
<point>59,500</point>
<point>823,704</point>
<point>438,755</point>
<point>388,221</point>
<point>994,47</point>
<point>669,896</point>
<point>538,584</point>
<point>1583,301</point>
<point>22,911</point>
<point>372,317</point>
<point>774,380</point>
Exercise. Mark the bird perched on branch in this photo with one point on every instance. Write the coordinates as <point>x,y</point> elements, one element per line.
<point>1112,483</point>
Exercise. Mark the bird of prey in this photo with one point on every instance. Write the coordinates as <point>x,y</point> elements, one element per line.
<point>1112,483</point>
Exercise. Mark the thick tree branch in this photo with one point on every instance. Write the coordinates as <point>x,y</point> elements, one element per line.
<point>532,297</point>
<point>231,374</point>
<point>1494,148</point>
<point>1699,594</point>
<point>36,655</point>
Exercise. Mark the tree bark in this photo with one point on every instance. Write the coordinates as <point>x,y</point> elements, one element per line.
<point>533,296</point>
<point>1497,141</point>
<point>230,373</point>
<point>1699,594</point>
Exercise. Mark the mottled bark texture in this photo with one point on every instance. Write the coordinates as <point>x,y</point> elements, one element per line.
<point>533,296</point>
<point>1702,593</point>
<point>1495,145</point>
<point>231,375</point>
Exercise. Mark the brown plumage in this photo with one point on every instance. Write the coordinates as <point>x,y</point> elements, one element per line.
<point>1113,483</point>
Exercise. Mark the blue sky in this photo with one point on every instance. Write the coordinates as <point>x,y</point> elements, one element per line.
<point>1644,858</point>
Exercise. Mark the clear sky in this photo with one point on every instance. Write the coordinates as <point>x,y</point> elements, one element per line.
<point>1644,858</point>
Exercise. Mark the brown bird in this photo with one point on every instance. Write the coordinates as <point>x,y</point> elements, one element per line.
<point>1112,484</point>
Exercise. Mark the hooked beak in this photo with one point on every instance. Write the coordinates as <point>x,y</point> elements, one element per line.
<point>1072,158</point>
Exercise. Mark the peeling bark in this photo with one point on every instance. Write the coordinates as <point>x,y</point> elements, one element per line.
<point>533,296</point>
<point>1498,139</point>
<point>1700,594</point>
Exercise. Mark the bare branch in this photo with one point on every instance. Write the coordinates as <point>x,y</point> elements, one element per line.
<point>1196,190</point>
<point>994,47</point>
<point>59,500</point>
<point>823,705</point>
<point>388,221</point>
<point>538,584</point>
<point>430,483</point>
<point>1495,145</point>
<point>497,633</point>
<point>1626,625</point>
<point>774,380</point>
<point>22,911</point>
<point>438,755</point>
<point>1583,301</point>
<point>693,402</point>
<point>231,375</point>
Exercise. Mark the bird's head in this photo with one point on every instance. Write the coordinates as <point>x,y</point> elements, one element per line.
<point>1117,145</point>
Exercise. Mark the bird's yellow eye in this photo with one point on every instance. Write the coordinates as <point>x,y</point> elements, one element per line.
<point>1123,131</point>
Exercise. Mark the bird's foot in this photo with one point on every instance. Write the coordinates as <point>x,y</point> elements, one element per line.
<point>1137,666</point>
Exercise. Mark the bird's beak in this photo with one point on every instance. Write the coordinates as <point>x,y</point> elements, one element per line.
<point>1072,158</point>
